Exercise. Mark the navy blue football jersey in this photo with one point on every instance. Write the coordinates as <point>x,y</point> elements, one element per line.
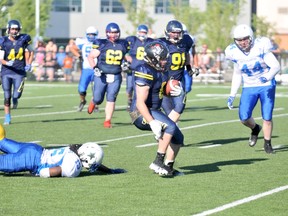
<point>15,51</point>
<point>111,55</point>
<point>137,50</point>
<point>147,75</point>
<point>177,57</point>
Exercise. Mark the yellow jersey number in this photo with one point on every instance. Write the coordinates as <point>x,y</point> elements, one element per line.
<point>19,55</point>
<point>178,60</point>
<point>114,57</point>
<point>140,53</point>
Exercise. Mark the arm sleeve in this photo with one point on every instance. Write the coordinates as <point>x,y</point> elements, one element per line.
<point>236,81</point>
<point>274,65</point>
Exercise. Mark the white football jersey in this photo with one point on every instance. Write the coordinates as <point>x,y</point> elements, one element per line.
<point>251,64</point>
<point>69,162</point>
<point>85,46</point>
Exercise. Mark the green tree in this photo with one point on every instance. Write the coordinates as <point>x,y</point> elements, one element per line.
<point>262,27</point>
<point>190,16</point>
<point>212,26</point>
<point>220,17</point>
<point>137,13</point>
<point>4,13</point>
<point>26,14</point>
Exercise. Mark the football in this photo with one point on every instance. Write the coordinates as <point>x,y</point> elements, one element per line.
<point>169,86</point>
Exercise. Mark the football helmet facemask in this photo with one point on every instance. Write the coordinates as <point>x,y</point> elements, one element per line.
<point>112,32</point>
<point>91,33</point>
<point>16,26</point>
<point>91,156</point>
<point>142,31</point>
<point>156,54</point>
<point>243,37</point>
<point>174,31</point>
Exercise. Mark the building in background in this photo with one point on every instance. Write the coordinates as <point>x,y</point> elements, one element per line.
<point>70,18</point>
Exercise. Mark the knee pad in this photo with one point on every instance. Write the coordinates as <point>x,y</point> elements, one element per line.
<point>7,101</point>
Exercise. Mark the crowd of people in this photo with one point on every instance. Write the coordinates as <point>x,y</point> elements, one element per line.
<point>150,65</point>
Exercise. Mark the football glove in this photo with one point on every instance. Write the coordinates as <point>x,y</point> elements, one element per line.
<point>192,71</point>
<point>263,79</point>
<point>176,90</point>
<point>10,63</point>
<point>97,71</point>
<point>230,102</point>
<point>125,66</point>
<point>157,127</point>
<point>28,68</point>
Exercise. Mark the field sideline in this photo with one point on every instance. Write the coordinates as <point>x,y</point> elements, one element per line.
<point>223,175</point>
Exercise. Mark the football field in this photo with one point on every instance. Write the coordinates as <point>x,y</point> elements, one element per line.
<point>223,175</point>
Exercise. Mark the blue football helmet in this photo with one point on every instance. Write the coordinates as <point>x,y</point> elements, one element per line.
<point>15,24</point>
<point>142,31</point>
<point>111,29</point>
<point>173,27</point>
<point>91,33</point>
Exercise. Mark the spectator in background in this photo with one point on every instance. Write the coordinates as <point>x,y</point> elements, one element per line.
<point>219,64</point>
<point>60,56</point>
<point>205,58</point>
<point>68,67</point>
<point>275,49</point>
<point>72,47</point>
<point>51,47</point>
<point>40,59</point>
<point>50,65</point>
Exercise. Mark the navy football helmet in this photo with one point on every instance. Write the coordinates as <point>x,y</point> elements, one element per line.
<point>15,24</point>
<point>156,54</point>
<point>111,29</point>
<point>142,31</point>
<point>174,31</point>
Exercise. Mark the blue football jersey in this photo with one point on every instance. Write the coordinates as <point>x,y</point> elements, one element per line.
<point>15,51</point>
<point>147,75</point>
<point>111,55</point>
<point>177,57</point>
<point>137,50</point>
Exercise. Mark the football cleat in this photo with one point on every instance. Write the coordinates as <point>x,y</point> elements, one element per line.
<point>254,137</point>
<point>167,171</point>
<point>268,148</point>
<point>81,105</point>
<point>91,107</point>
<point>107,124</point>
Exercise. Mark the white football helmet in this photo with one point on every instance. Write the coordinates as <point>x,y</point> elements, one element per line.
<point>91,155</point>
<point>91,33</point>
<point>243,37</point>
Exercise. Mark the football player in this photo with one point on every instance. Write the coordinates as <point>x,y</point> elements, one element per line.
<point>179,45</point>
<point>16,61</point>
<point>135,57</point>
<point>255,67</point>
<point>150,80</point>
<point>87,75</point>
<point>110,53</point>
<point>57,162</point>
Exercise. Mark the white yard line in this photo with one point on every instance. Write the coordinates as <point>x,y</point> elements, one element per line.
<point>242,201</point>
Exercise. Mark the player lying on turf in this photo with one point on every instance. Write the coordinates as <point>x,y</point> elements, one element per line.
<point>56,162</point>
